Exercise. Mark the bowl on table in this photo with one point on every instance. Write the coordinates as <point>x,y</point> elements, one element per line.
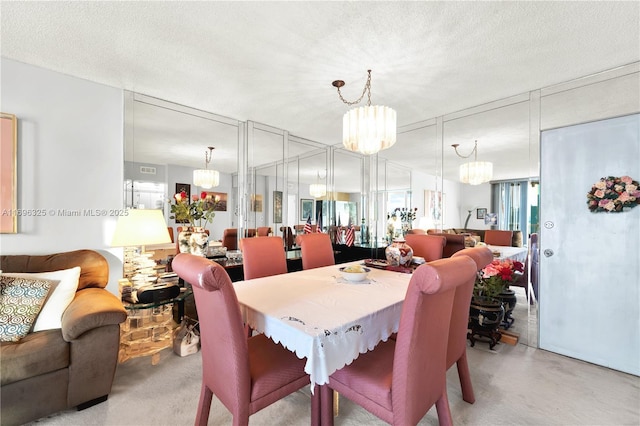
<point>354,273</point>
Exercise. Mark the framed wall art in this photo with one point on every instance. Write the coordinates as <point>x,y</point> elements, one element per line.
<point>256,203</point>
<point>306,208</point>
<point>434,206</point>
<point>480,213</point>
<point>277,206</point>
<point>8,173</point>
<point>222,201</point>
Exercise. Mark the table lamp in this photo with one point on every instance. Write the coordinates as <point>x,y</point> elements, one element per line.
<point>137,229</point>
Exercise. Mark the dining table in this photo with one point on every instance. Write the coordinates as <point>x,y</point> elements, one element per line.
<point>518,254</point>
<point>320,316</point>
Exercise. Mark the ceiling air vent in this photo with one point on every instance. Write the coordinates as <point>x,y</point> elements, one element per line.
<point>148,170</point>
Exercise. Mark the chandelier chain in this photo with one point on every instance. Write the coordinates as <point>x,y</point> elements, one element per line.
<point>366,90</point>
<point>208,156</point>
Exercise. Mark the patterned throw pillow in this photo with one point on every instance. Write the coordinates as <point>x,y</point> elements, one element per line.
<point>20,302</point>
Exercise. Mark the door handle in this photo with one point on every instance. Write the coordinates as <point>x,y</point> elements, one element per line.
<point>548,252</point>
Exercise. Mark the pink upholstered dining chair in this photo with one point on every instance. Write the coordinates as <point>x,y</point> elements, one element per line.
<point>428,246</point>
<point>457,346</point>
<point>417,231</point>
<point>263,257</point>
<point>246,375</point>
<point>400,380</point>
<point>498,238</point>
<point>317,250</point>
<point>263,231</point>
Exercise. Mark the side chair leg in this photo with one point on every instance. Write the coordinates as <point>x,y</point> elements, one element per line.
<point>465,379</point>
<point>204,406</point>
<point>444,411</point>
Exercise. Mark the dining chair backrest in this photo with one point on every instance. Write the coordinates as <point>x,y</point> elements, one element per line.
<point>170,229</point>
<point>287,236</point>
<point>317,250</point>
<point>457,344</point>
<point>419,366</point>
<point>230,238</point>
<point>263,231</point>
<point>498,238</point>
<point>224,365</point>
<point>534,256</point>
<point>416,231</point>
<point>263,257</point>
<point>428,246</point>
<point>245,374</point>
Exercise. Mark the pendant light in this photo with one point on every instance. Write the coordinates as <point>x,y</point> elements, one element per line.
<point>474,172</point>
<point>206,178</point>
<point>367,129</point>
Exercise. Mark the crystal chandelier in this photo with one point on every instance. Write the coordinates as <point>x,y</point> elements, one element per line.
<point>206,178</point>
<point>318,189</point>
<point>367,129</point>
<point>474,172</point>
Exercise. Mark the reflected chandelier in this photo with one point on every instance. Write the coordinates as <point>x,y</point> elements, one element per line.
<point>318,189</point>
<point>474,172</point>
<point>367,129</point>
<point>206,178</point>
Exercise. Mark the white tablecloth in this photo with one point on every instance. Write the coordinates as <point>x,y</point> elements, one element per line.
<point>507,252</point>
<point>317,315</point>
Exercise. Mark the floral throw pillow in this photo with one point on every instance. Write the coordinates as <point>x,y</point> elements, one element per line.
<point>21,300</point>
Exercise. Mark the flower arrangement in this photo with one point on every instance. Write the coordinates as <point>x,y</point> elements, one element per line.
<point>496,277</point>
<point>198,213</point>
<point>405,214</point>
<point>612,194</point>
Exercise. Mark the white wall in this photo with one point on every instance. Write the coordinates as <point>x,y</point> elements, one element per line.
<point>70,157</point>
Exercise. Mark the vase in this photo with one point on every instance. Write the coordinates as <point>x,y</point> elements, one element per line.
<point>508,299</point>
<point>399,253</point>
<point>485,316</point>
<point>199,242</point>
<point>183,239</point>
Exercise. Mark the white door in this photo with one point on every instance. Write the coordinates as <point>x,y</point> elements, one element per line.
<point>589,262</point>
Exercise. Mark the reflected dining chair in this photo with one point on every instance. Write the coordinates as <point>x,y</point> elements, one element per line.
<point>287,236</point>
<point>530,273</point>
<point>317,250</point>
<point>498,238</point>
<point>457,346</point>
<point>263,231</point>
<point>400,380</point>
<point>428,246</point>
<point>230,238</point>
<point>263,257</point>
<point>246,375</point>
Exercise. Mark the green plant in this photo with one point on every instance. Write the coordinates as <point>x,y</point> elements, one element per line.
<point>197,213</point>
<point>496,277</point>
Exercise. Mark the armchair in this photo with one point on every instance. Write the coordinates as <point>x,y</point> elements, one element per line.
<point>53,370</point>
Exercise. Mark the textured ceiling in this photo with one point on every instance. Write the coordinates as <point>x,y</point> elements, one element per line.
<point>273,62</point>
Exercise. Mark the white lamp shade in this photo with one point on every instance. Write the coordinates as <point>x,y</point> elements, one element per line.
<point>205,178</point>
<point>476,172</point>
<point>317,190</point>
<point>369,129</point>
<point>141,227</point>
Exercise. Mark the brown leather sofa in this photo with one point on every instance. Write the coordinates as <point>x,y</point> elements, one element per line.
<point>53,370</point>
<point>454,243</point>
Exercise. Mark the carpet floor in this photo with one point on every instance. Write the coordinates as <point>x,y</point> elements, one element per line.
<point>514,385</point>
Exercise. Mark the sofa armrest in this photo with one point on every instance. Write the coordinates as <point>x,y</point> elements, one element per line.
<point>91,308</point>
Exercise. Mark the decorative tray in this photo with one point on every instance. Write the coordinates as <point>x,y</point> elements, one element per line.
<point>383,264</point>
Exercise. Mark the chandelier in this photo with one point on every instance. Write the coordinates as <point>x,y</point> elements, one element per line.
<point>318,189</point>
<point>367,129</point>
<point>206,178</point>
<point>474,172</point>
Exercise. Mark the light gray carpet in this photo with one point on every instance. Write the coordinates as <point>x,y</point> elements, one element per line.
<point>514,385</point>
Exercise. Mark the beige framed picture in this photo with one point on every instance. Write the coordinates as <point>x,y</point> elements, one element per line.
<point>256,203</point>
<point>434,206</point>
<point>8,173</point>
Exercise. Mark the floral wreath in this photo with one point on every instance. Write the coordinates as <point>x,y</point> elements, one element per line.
<point>612,194</point>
